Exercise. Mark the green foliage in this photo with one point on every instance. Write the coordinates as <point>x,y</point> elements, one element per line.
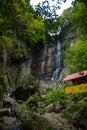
<point>2,46</point>
<point>55,95</point>
<point>36,104</point>
<point>78,96</point>
<point>76,112</point>
<point>24,113</point>
<point>78,56</point>
<point>73,106</point>
<point>79,18</point>
<point>82,1</point>
<point>32,120</point>
<point>18,21</point>
<point>16,54</point>
<point>26,79</point>
<point>48,127</point>
<point>35,31</point>
<point>65,18</point>
<point>7,41</point>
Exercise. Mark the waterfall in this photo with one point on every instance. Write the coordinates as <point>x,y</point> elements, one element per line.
<point>57,61</point>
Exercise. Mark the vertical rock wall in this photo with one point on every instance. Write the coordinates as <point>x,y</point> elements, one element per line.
<point>43,58</point>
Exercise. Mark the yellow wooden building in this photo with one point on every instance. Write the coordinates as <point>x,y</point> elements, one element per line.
<point>76,82</point>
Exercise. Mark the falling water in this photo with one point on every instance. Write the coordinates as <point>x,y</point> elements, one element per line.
<point>57,61</point>
<point>17,124</point>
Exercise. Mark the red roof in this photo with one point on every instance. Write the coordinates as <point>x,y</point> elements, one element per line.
<point>75,75</point>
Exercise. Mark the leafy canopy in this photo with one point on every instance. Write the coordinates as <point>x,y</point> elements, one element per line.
<point>76,57</point>
<point>18,21</point>
<point>79,18</point>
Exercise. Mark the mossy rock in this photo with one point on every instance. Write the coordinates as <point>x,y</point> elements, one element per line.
<point>36,122</point>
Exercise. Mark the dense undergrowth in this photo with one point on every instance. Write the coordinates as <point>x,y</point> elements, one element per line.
<point>73,106</point>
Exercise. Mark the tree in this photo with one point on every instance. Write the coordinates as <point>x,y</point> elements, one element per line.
<point>76,56</point>
<point>79,18</point>
<point>65,20</point>
<point>82,1</point>
<point>18,21</point>
<point>49,13</point>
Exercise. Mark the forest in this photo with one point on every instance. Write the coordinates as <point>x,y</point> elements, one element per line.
<point>24,32</point>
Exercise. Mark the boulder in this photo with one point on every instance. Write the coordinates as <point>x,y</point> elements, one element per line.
<point>36,122</point>
<point>9,102</point>
<point>49,108</point>
<point>53,107</point>
<point>48,121</point>
<point>58,122</point>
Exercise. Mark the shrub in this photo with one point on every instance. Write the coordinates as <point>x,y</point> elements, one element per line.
<point>55,95</point>
<point>24,112</point>
<point>7,42</point>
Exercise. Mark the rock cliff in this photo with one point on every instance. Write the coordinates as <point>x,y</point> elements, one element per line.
<point>40,60</point>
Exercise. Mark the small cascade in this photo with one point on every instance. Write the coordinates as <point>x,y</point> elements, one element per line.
<point>11,94</point>
<point>57,61</point>
<point>8,105</point>
<point>17,124</point>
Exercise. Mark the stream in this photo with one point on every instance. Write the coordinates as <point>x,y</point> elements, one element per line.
<point>17,124</point>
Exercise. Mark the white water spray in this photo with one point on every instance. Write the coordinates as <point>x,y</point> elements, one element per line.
<point>57,61</point>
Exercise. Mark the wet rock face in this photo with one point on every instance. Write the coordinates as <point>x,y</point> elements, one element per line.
<point>49,63</point>
<point>44,55</point>
<point>13,62</point>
